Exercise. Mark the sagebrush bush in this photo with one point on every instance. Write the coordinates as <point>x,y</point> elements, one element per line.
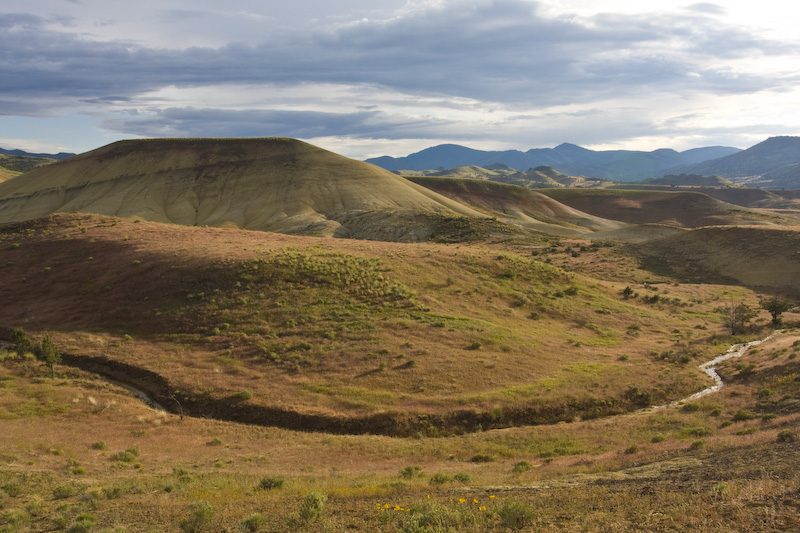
<point>270,483</point>
<point>200,516</point>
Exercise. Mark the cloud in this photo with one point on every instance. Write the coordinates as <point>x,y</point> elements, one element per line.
<point>435,69</point>
<point>502,50</point>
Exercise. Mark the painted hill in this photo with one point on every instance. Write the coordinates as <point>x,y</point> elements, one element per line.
<point>692,180</point>
<point>763,258</point>
<point>680,209</point>
<point>534,178</point>
<point>622,165</point>
<point>518,205</point>
<point>776,159</point>
<point>280,185</point>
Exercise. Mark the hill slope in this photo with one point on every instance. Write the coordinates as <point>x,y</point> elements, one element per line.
<point>280,185</point>
<point>520,205</point>
<point>761,258</point>
<point>678,209</point>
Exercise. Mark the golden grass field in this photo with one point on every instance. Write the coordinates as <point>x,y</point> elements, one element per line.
<point>511,372</point>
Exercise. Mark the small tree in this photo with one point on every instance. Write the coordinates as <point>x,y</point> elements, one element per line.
<point>739,317</point>
<point>627,292</point>
<point>22,343</point>
<point>776,307</point>
<point>49,354</point>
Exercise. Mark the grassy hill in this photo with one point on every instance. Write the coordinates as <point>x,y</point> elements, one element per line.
<point>374,337</point>
<point>518,205</point>
<point>290,365</point>
<point>764,258</point>
<point>279,185</point>
<point>682,209</point>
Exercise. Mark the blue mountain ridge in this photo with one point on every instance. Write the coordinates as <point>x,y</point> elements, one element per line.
<point>621,165</point>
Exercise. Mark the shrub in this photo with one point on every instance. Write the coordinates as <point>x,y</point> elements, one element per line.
<point>462,477</point>
<point>22,343</point>
<point>126,456</point>
<point>313,506</point>
<point>482,458</point>
<point>630,450</point>
<point>515,515</point>
<point>696,445</point>
<point>99,445</point>
<point>270,482</point>
<point>410,471</point>
<point>243,395</point>
<point>82,524</point>
<point>12,489</point>
<point>742,415</point>
<point>63,491</point>
<point>49,353</point>
<point>256,522</point>
<point>520,467</point>
<point>658,437</point>
<point>201,514</point>
<point>786,435</point>
<point>439,479</point>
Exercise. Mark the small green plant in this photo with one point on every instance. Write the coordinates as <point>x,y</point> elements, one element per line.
<point>481,458</point>
<point>254,523</point>
<point>83,524</point>
<point>462,477</point>
<point>270,483</point>
<point>632,449</point>
<point>243,395</point>
<point>99,445</point>
<point>520,467</point>
<point>439,478</point>
<point>515,515</point>
<point>12,489</point>
<point>742,415</point>
<point>411,471</point>
<point>696,445</point>
<point>786,435</point>
<point>126,456</point>
<point>658,437</point>
<point>63,491</point>
<point>200,516</point>
<point>313,506</point>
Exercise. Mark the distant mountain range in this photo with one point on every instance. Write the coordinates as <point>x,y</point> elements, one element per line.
<point>620,165</point>
<point>772,164</point>
<point>59,156</point>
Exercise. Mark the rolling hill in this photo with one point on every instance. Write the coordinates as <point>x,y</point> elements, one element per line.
<point>518,205</point>
<point>280,185</point>
<point>680,209</point>
<point>763,258</point>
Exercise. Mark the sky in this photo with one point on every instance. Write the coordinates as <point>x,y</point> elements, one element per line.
<point>366,78</point>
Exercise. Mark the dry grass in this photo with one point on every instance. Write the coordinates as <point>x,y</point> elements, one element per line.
<point>241,321</point>
<point>76,447</point>
<point>582,475</point>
